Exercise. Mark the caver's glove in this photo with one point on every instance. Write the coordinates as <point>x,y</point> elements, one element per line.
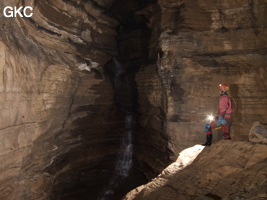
<point>221,121</point>
<point>207,128</point>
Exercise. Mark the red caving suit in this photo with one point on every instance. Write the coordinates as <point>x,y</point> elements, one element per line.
<point>225,111</point>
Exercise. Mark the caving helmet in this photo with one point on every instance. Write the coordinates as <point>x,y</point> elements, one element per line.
<point>224,87</point>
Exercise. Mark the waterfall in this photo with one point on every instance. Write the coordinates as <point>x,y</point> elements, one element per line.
<point>123,161</point>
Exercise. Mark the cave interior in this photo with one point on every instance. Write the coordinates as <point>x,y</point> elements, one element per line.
<point>99,96</point>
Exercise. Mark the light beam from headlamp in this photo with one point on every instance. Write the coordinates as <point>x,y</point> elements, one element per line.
<point>210,118</point>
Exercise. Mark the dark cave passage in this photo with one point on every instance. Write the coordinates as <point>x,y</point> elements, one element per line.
<point>112,176</point>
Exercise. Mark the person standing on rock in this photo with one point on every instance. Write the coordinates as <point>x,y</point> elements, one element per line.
<point>224,117</point>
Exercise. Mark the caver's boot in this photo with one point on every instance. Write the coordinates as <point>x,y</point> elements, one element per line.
<point>209,139</point>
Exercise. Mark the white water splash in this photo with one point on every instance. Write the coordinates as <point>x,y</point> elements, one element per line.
<point>124,162</point>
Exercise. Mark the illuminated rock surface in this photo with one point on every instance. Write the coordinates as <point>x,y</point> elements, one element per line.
<point>225,170</point>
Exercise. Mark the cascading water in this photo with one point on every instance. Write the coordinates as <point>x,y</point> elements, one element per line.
<point>123,162</point>
<point>124,159</point>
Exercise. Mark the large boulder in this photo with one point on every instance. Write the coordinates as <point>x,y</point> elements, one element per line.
<point>258,133</point>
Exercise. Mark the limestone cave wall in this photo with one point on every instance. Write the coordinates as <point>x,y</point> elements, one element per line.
<point>195,46</point>
<point>56,100</point>
<point>59,105</point>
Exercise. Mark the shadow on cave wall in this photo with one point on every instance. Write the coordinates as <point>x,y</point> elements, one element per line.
<point>237,113</point>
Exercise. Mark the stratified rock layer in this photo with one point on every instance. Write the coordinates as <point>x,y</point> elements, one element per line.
<point>195,46</point>
<point>58,117</point>
<point>60,129</point>
<point>225,170</point>
<point>57,110</point>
